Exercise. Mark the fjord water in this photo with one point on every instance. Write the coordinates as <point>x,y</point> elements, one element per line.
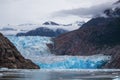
<point>60,74</point>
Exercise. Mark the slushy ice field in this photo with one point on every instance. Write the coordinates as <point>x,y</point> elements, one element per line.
<point>35,48</point>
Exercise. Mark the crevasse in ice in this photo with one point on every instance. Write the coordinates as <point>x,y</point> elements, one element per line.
<point>34,48</point>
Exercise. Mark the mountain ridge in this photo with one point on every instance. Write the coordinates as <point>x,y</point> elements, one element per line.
<point>51,29</point>
<point>43,31</point>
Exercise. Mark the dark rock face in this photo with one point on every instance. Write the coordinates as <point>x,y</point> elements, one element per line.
<point>50,23</point>
<point>11,58</point>
<point>98,36</point>
<point>43,31</point>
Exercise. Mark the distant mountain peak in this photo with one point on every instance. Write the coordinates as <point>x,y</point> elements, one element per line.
<point>50,23</point>
<point>7,29</point>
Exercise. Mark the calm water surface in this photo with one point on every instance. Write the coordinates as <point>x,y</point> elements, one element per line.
<point>68,74</point>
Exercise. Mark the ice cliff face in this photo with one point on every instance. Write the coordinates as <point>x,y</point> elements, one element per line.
<point>73,62</point>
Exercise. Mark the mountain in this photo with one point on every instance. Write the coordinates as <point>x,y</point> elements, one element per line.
<point>98,36</point>
<point>52,29</point>
<point>11,58</point>
<point>114,11</point>
<point>24,28</point>
<point>91,37</point>
<point>51,23</point>
<point>10,30</point>
<point>7,29</point>
<point>43,31</point>
<point>14,29</point>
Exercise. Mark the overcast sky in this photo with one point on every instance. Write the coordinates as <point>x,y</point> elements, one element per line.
<point>38,11</point>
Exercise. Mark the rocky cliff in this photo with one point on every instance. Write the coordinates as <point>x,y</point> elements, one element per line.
<point>11,58</point>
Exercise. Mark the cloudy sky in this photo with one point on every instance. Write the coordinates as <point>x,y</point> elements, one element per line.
<point>38,11</point>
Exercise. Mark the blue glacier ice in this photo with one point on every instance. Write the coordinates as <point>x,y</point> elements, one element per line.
<point>72,62</point>
<point>30,46</point>
<point>35,48</point>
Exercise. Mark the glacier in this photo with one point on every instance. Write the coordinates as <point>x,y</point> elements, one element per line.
<point>35,48</point>
<point>30,46</point>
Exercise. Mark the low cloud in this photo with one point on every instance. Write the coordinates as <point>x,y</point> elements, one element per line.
<point>86,12</point>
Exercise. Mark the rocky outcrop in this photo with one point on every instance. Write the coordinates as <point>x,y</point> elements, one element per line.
<point>11,58</point>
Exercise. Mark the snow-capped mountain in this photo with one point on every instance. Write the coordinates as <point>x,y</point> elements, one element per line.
<point>14,29</point>
<point>52,29</point>
<point>51,23</point>
<point>113,11</point>
<point>69,27</point>
<point>10,30</point>
<point>52,26</point>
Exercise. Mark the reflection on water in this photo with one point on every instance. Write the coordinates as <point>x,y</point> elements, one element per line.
<point>59,74</point>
